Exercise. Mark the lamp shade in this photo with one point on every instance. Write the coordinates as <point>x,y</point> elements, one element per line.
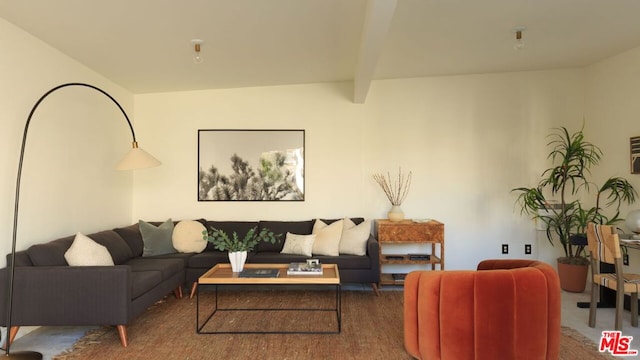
<point>137,158</point>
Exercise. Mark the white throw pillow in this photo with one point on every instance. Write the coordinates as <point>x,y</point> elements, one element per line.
<point>327,238</point>
<point>354,237</point>
<point>187,237</point>
<point>298,244</point>
<point>86,252</point>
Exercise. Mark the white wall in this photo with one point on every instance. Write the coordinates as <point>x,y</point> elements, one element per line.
<point>467,139</point>
<point>75,138</point>
<point>613,116</point>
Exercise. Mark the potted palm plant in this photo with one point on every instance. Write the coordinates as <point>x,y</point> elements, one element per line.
<point>236,246</point>
<point>566,216</point>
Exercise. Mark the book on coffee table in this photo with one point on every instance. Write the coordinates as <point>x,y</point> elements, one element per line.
<point>304,269</point>
<point>259,273</point>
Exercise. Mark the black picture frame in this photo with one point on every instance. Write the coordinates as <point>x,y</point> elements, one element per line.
<point>251,165</point>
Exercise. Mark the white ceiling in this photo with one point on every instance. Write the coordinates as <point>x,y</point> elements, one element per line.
<point>144,45</point>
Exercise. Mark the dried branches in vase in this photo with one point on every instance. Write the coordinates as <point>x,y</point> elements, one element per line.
<point>396,191</point>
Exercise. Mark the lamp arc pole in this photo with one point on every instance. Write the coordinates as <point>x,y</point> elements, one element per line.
<point>9,337</point>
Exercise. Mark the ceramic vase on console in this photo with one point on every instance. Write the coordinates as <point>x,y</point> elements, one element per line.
<point>237,260</point>
<point>395,214</point>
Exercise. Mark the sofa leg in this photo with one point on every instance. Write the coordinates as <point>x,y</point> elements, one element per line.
<point>194,287</point>
<point>375,288</point>
<point>177,292</point>
<point>12,334</point>
<point>122,332</point>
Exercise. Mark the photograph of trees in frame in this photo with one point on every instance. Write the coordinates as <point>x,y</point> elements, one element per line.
<point>250,165</point>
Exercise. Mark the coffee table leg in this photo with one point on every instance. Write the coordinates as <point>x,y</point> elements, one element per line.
<point>339,306</point>
<point>197,289</point>
<point>215,309</point>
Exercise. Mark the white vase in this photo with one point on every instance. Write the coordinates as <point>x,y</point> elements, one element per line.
<point>237,260</point>
<point>395,214</point>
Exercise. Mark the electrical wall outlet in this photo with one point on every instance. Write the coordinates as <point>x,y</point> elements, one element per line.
<point>505,248</point>
<point>527,249</point>
<point>625,259</point>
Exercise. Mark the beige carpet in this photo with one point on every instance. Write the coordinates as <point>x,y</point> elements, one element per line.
<point>371,329</point>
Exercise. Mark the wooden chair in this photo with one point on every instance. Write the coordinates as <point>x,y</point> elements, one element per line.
<point>604,246</point>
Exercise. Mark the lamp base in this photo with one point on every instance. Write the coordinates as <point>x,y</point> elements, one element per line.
<point>23,355</point>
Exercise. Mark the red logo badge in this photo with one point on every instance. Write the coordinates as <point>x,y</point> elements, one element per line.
<point>616,344</point>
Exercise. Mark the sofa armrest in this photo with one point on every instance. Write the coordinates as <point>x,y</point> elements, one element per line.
<point>373,251</point>
<point>68,295</point>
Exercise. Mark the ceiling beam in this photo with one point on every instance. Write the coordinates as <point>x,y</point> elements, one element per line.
<point>377,22</point>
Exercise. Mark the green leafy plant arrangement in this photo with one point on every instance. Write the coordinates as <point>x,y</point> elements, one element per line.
<point>223,242</point>
<point>566,179</point>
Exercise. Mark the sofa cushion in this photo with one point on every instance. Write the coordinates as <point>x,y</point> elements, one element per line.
<point>327,238</point>
<point>298,244</point>
<point>356,221</point>
<point>143,281</point>
<point>188,237</point>
<point>281,228</point>
<point>167,267</point>
<point>157,239</point>
<point>22,258</point>
<point>133,238</point>
<point>354,237</point>
<point>86,252</point>
<point>184,257</point>
<point>118,248</point>
<point>208,259</point>
<point>229,227</point>
<point>348,262</point>
<point>50,253</point>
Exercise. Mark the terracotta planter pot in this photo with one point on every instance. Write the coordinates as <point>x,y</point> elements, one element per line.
<point>573,278</point>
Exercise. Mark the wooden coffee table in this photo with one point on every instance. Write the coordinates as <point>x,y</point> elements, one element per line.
<point>221,275</point>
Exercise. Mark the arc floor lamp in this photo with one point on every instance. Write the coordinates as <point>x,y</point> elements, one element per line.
<point>136,158</point>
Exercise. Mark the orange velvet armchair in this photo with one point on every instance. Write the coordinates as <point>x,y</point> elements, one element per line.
<point>508,309</point>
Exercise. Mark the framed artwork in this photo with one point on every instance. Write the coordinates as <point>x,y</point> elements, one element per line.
<point>635,154</point>
<point>250,165</point>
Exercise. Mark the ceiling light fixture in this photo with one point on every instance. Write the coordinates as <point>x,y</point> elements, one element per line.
<point>197,56</point>
<point>519,44</point>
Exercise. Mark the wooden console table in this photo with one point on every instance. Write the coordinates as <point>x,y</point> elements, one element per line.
<point>408,232</point>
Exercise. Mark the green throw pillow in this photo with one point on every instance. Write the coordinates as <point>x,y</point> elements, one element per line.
<point>157,240</point>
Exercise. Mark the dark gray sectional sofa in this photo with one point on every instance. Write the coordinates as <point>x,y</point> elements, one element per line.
<point>48,292</point>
